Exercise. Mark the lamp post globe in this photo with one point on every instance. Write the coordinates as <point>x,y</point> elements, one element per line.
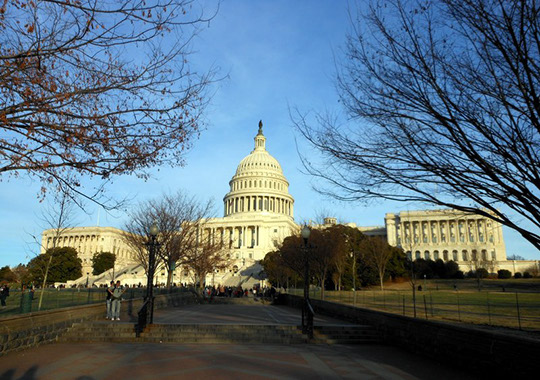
<point>154,230</point>
<point>306,232</point>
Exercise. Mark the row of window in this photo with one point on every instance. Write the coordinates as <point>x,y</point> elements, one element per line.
<point>464,255</point>
<point>453,239</point>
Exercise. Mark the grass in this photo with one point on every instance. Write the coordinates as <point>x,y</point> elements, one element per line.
<point>58,298</point>
<point>517,307</point>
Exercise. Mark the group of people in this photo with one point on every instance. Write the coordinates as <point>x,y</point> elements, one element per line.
<point>114,299</point>
<point>4,293</point>
<point>224,291</point>
<point>230,291</point>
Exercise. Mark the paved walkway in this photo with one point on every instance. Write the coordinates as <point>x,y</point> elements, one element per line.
<point>174,361</point>
<point>117,361</point>
<point>238,314</point>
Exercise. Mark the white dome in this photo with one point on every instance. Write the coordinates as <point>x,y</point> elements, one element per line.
<point>259,184</point>
<point>259,160</point>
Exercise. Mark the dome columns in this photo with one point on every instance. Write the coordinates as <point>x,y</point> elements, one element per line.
<point>258,203</point>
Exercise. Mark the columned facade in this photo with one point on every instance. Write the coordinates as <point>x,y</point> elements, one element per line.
<point>447,235</point>
<point>90,240</point>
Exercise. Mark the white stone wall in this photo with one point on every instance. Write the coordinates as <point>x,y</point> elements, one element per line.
<point>87,241</point>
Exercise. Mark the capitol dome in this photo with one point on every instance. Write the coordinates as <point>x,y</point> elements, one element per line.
<point>259,185</point>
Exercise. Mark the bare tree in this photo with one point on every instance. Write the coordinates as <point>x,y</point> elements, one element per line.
<point>443,100</point>
<point>377,253</point>
<point>58,217</point>
<point>97,88</point>
<point>204,257</point>
<point>480,266</point>
<point>179,218</point>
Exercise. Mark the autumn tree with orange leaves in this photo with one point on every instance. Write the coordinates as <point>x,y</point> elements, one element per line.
<point>96,89</point>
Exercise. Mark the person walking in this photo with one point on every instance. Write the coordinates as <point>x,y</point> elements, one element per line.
<point>117,292</point>
<point>4,293</point>
<point>109,291</point>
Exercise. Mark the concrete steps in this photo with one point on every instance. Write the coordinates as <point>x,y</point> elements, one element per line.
<point>345,334</point>
<point>99,332</point>
<point>217,334</point>
<point>248,334</point>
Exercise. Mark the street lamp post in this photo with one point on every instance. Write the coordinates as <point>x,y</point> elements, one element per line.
<point>152,246</point>
<point>354,276</point>
<point>307,311</point>
<point>87,275</point>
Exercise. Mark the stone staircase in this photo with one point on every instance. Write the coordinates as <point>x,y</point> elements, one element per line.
<point>345,334</point>
<point>200,333</point>
<point>244,334</point>
<point>99,331</point>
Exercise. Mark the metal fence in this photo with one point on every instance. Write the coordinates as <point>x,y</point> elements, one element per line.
<point>514,310</point>
<point>25,301</point>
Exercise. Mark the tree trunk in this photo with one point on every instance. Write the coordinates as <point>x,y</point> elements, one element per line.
<point>169,278</point>
<point>201,281</point>
<point>44,281</point>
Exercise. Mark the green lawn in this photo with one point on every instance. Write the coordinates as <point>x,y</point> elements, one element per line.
<point>58,298</point>
<point>518,307</point>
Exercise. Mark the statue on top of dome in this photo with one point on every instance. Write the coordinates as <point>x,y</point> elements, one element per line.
<point>260,127</point>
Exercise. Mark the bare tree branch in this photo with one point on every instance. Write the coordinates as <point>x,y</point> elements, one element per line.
<point>97,88</point>
<point>444,109</point>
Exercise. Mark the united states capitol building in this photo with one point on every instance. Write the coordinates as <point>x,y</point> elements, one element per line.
<point>259,215</point>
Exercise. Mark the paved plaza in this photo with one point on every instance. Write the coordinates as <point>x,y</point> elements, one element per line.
<point>89,361</point>
<point>245,314</point>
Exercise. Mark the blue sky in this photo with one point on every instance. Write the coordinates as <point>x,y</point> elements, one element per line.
<point>275,55</point>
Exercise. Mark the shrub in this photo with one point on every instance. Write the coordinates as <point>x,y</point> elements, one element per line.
<point>517,275</point>
<point>527,275</point>
<point>481,273</point>
<point>503,274</point>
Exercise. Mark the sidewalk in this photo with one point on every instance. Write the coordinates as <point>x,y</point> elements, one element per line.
<point>172,361</point>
